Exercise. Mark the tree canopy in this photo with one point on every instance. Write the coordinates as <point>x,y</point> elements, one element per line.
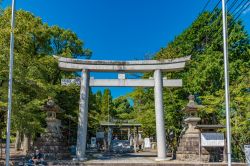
<point>36,75</point>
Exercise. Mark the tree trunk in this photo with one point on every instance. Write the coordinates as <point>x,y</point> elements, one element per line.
<point>26,143</point>
<point>18,141</point>
<point>1,146</point>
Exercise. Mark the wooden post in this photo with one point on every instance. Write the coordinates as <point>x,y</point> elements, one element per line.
<point>135,142</point>
<point>200,147</point>
<point>128,133</point>
<point>1,146</point>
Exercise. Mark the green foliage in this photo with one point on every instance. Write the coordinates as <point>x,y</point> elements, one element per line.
<point>102,108</point>
<point>36,73</point>
<point>144,110</point>
<point>122,108</point>
<point>107,111</point>
<point>67,98</point>
<point>94,115</point>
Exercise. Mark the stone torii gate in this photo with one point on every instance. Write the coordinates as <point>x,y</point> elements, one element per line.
<point>157,66</point>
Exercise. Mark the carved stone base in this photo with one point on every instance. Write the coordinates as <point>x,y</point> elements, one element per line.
<point>51,143</point>
<point>52,146</point>
<point>188,149</point>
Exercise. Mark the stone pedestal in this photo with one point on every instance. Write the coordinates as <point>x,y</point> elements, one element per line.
<point>51,143</point>
<point>188,149</point>
<point>189,146</point>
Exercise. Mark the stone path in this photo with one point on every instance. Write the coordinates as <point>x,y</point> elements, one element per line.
<point>128,159</point>
<point>135,159</point>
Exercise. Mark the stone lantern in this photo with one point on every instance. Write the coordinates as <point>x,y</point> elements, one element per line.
<point>52,143</point>
<point>191,110</point>
<point>188,149</point>
<point>53,124</point>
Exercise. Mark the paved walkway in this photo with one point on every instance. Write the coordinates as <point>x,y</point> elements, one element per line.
<point>128,159</point>
<point>135,159</point>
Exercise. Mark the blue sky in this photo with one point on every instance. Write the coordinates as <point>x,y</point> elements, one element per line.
<point>120,29</point>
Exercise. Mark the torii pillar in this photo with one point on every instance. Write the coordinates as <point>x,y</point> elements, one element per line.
<point>159,116</point>
<point>83,116</point>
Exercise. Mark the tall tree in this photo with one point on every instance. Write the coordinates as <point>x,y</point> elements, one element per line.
<point>36,73</point>
<point>107,106</point>
<point>122,109</point>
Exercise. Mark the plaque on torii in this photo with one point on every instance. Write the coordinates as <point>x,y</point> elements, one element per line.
<point>123,82</point>
<point>122,67</point>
